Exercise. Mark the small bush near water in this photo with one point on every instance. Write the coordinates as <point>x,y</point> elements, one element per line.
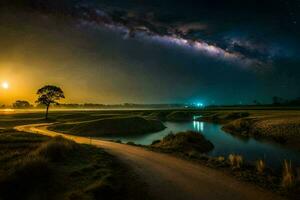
<point>184,142</point>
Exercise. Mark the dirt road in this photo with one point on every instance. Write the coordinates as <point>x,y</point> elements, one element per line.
<point>169,177</point>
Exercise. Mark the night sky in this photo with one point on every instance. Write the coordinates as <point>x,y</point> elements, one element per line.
<point>151,51</point>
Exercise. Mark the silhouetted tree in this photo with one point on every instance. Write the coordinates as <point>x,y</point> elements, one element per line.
<point>21,104</point>
<point>48,95</point>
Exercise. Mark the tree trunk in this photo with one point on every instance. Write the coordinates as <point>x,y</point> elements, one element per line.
<point>47,110</point>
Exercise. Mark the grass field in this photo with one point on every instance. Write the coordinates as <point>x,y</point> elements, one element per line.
<point>38,167</point>
<point>128,125</point>
<point>83,172</point>
<point>278,124</point>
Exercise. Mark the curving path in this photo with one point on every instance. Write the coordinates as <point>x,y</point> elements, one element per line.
<point>169,177</point>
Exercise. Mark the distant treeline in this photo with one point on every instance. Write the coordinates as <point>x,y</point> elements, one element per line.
<point>279,101</point>
<point>125,105</point>
<point>276,101</point>
<point>21,104</point>
<point>282,101</point>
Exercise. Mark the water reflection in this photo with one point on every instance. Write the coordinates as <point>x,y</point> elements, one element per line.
<point>198,126</point>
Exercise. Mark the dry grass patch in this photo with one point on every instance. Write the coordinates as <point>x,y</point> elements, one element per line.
<point>57,168</point>
<point>260,166</point>
<point>288,176</point>
<point>235,160</point>
<point>56,149</point>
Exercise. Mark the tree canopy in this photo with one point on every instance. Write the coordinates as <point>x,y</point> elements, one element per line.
<point>48,95</point>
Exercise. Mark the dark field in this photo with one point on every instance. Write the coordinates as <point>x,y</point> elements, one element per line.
<point>38,167</point>
<point>68,170</point>
<point>281,125</point>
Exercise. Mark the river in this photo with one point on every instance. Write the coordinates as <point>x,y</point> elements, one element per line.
<point>225,144</point>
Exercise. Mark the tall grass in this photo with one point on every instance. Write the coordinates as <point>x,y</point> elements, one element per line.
<point>288,176</point>
<point>28,176</point>
<point>260,166</point>
<point>33,173</point>
<point>235,160</point>
<point>56,149</point>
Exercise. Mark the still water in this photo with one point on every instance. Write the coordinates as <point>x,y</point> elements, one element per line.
<point>224,143</point>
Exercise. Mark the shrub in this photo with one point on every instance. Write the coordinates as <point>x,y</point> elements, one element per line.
<point>260,166</point>
<point>288,177</point>
<point>185,142</point>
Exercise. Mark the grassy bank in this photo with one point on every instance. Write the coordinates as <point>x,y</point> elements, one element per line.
<point>284,130</point>
<point>184,142</point>
<point>38,167</point>
<point>279,126</point>
<point>111,126</point>
<point>180,116</point>
<point>187,146</point>
<point>222,117</point>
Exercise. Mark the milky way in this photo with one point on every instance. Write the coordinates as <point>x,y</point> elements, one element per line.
<point>100,18</point>
<point>152,50</point>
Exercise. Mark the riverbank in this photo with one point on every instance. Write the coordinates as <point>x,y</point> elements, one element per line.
<point>235,165</point>
<point>41,167</point>
<point>280,127</point>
